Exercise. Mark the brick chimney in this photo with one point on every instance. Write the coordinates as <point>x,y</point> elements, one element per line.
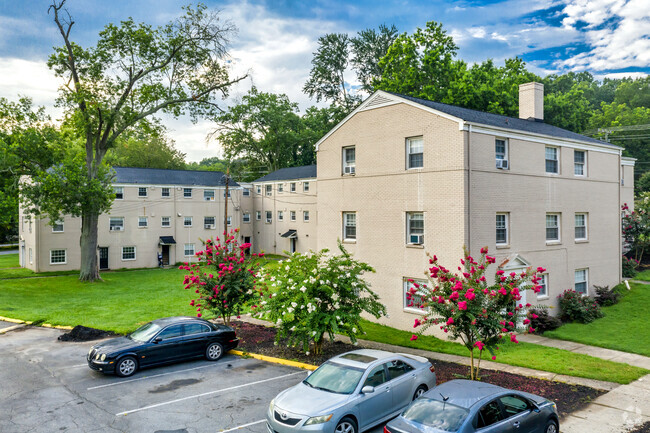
<point>531,101</point>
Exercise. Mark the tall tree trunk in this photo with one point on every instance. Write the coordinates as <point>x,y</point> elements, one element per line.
<point>89,270</point>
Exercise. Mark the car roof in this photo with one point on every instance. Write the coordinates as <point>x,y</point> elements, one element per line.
<point>363,357</point>
<point>464,393</point>
<point>178,319</point>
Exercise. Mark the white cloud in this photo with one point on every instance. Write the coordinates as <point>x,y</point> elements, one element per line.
<point>477,32</point>
<point>618,33</point>
<point>29,78</point>
<point>617,75</point>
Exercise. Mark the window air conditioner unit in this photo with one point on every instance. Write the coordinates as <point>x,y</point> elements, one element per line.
<point>268,220</point>
<point>117,229</point>
<point>208,226</point>
<point>209,198</point>
<point>349,169</point>
<point>417,239</point>
<point>502,164</point>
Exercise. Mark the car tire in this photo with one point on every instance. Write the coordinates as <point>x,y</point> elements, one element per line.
<point>551,427</point>
<point>421,390</point>
<point>126,366</point>
<point>214,351</point>
<point>346,425</point>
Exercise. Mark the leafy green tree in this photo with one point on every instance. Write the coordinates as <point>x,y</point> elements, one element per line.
<point>634,93</point>
<point>315,294</point>
<point>367,49</point>
<point>146,146</point>
<point>133,72</point>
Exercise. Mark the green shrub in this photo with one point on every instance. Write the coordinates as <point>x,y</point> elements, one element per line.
<point>541,321</point>
<point>605,297</point>
<point>630,267</point>
<point>576,307</point>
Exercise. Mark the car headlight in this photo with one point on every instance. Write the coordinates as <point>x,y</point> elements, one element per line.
<point>318,419</point>
<point>271,405</point>
<point>103,357</point>
<point>91,350</point>
<point>554,406</point>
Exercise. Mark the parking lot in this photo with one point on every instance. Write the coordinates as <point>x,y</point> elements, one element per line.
<point>47,387</point>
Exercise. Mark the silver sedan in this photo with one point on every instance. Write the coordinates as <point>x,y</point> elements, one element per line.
<point>351,393</point>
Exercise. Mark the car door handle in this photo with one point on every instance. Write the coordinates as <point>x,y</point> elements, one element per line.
<point>515,424</point>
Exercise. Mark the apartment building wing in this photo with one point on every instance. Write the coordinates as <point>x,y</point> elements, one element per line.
<point>170,212</point>
<point>284,213</point>
<point>401,176</point>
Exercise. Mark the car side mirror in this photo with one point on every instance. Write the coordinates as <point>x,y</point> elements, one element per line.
<point>157,339</point>
<point>367,390</point>
<point>534,407</point>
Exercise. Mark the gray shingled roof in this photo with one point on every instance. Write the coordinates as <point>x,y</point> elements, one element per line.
<point>500,121</point>
<point>302,172</point>
<point>159,176</point>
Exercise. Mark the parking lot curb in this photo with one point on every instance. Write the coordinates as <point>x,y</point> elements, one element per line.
<point>27,322</point>
<point>276,360</point>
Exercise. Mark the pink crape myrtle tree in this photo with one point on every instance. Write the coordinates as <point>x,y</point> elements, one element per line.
<point>224,279</point>
<point>464,304</point>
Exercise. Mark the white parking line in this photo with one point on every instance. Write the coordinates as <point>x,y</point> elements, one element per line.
<point>206,393</point>
<point>150,377</point>
<point>242,426</point>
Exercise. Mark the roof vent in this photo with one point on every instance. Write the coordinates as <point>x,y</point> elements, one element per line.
<point>531,101</point>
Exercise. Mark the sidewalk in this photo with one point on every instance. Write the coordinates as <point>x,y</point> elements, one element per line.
<point>598,352</point>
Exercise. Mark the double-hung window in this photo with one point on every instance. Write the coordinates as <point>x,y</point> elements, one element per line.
<point>209,222</point>
<point>280,215</point>
<point>229,221</point>
<point>246,192</point>
<point>143,222</point>
<point>229,193</point>
<point>165,221</point>
<point>543,286</point>
<point>413,294</point>
<point>415,228</point>
<point>502,229</point>
<point>119,192</point>
<point>292,215</point>
<point>292,187</point>
<point>269,189</point>
<point>269,216</point>
<point>208,194</point>
<point>415,152</point>
<point>116,223</point>
<point>581,226</point>
<point>280,187</point>
<point>57,227</point>
<point>552,161</point>
<point>258,215</point>
<point>189,249</point>
<point>349,160</point>
<point>187,221</point>
<point>501,153</point>
<point>142,191</point>
<point>128,253</point>
<point>246,217</point>
<point>581,280</point>
<point>258,189</point>
<point>187,192</point>
<point>164,192</point>
<point>58,257</point>
<point>552,227</point>
<point>579,162</point>
<point>305,216</point>
<point>349,225</point>
<point>305,187</point>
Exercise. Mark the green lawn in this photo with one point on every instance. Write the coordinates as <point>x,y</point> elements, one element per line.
<point>9,261</point>
<point>643,276</point>
<point>624,326</point>
<point>522,355</point>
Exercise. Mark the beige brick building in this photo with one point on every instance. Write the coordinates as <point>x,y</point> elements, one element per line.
<point>401,176</point>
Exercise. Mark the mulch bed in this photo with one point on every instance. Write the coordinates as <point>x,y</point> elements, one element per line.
<point>645,428</point>
<point>569,398</point>
<point>83,333</point>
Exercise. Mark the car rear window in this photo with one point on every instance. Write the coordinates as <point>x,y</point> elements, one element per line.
<point>359,358</point>
<point>437,414</point>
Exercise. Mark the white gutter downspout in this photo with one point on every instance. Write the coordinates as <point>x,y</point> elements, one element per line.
<point>469,187</point>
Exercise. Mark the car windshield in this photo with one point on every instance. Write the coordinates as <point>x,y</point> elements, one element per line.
<point>333,377</point>
<point>144,333</point>
<point>436,414</point>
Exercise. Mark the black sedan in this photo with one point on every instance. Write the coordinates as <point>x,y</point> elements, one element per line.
<point>160,342</point>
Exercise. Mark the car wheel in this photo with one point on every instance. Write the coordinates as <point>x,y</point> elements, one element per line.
<point>551,427</point>
<point>126,366</point>
<point>214,351</point>
<point>346,425</point>
<point>418,392</point>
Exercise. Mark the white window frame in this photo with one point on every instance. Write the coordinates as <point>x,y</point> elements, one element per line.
<point>346,225</point>
<point>165,192</point>
<point>349,164</point>
<point>56,225</point>
<point>409,152</point>
<point>582,165</point>
<point>585,281</point>
<point>65,256</point>
<point>585,225</point>
<point>118,190</point>
<point>185,220</point>
<point>258,189</point>
<point>110,229</point>
<point>409,218</point>
<point>246,192</point>
<point>209,226</point>
<point>305,187</point>
<point>406,285</point>
<point>506,228</point>
<point>268,189</point>
<point>502,156</point>
<point>187,192</point>
<point>280,215</point>
<point>292,187</point>
<point>229,193</point>
<point>268,216</point>
<point>305,216</point>
<point>146,222</point>
<point>258,215</point>
<point>557,159</point>
<point>544,283</point>
<point>280,187</point>
<point>246,217</point>
<point>134,253</point>
<point>162,221</point>
<point>208,195</point>
<point>188,247</point>
<point>142,189</point>
<point>229,221</point>
<point>292,215</point>
<point>558,226</point>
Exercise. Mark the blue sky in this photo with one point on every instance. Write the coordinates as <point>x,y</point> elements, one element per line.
<point>276,39</point>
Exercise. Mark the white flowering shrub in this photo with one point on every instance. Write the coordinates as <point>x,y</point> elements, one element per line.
<point>316,294</point>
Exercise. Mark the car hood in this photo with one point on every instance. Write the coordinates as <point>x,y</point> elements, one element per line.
<point>116,344</point>
<point>304,400</point>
